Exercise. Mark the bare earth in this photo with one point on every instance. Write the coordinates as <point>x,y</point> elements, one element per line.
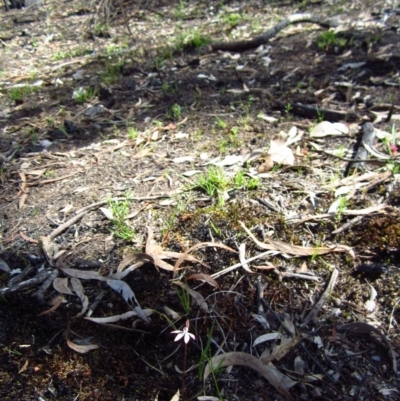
<point>96,120</point>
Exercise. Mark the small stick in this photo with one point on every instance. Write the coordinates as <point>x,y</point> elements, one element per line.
<point>39,278</point>
<point>324,297</point>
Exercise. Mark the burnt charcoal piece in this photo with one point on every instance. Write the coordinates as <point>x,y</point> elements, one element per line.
<point>105,93</point>
<point>70,126</point>
<point>372,271</point>
<point>13,4</point>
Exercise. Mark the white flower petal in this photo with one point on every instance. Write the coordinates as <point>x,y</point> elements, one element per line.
<point>179,336</point>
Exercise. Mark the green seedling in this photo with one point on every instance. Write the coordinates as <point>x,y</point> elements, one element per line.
<point>114,48</point>
<point>3,299</point>
<point>233,133</point>
<point>329,40</point>
<point>255,26</point>
<point>33,135</point>
<point>276,168</point>
<point>175,113</point>
<point>180,11</point>
<point>393,167</point>
<point>390,143</point>
<point>190,40</point>
<point>119,211</point>
<point>206,357</point>
<point>288,109</point>
<point>245,122</point>
<point>83,95</point>
<point>184,299</point>
<point>198,135</point>
<point>232,20</point>
<point>20,93</point>
<point>223,146</point>
<point>221,123</point>
<point>33,74</point>
<point>320,116</point>
<point>342,206</point>
<point>166,87</point>
<point>213,182</point>
<point>158,123</point>
<point>70,54</point>
<point>62,111</point>
<point>132,133</point>
<point>101,30</point>
<point>50,173</point>
<point>11,351</point>
<point>216,230</point>
<point>241,181</point>
<point>166,54</point>
<point>112,72</point>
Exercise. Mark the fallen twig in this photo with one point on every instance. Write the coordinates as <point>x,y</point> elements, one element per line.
<point>324,297</point>
<point>265,37</point>
<point>315,112</point>
<point>50,181</point>
<point>38,279</point>
<point>237,265</point>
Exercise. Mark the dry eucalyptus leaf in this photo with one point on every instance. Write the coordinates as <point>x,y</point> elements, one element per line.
<point>83,274</point>
<point>79,291</point>
<point>49,247</point>
<point>37,173</point>
<point>122,288</point>
<point>191,173</point>
<point>266,337</point>
<point>204,277</point>
<point>131,258</point>
<point>117,318</point>
<point>287,344</point>
<point>183,159</point>
<point>170,312</point>
<point>299,365</point>
<point>370,305</point>
<point>107,212</point>
<point>242,258</point>
<point>289,249</point>
<point>250,361</point>
<point>268,165</point>
<point>81,348</point>
<point>325,128</point>
<point>4,266</point>
<point>365,328</point>
<point>230,161</point>
<point>143,153</point>
<point>186,256</point>
<point>62,286</point>
<point>158,254</point>
<point>56,302</point>
<point>267,118</point>
<point>279,151</point>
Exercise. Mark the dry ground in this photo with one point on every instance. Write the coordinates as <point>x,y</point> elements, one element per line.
<point>156,115</point>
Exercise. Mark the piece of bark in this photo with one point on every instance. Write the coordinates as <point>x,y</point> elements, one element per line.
<point>367,138</point>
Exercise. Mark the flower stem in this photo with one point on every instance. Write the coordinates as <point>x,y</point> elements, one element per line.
<point>183,391</point>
